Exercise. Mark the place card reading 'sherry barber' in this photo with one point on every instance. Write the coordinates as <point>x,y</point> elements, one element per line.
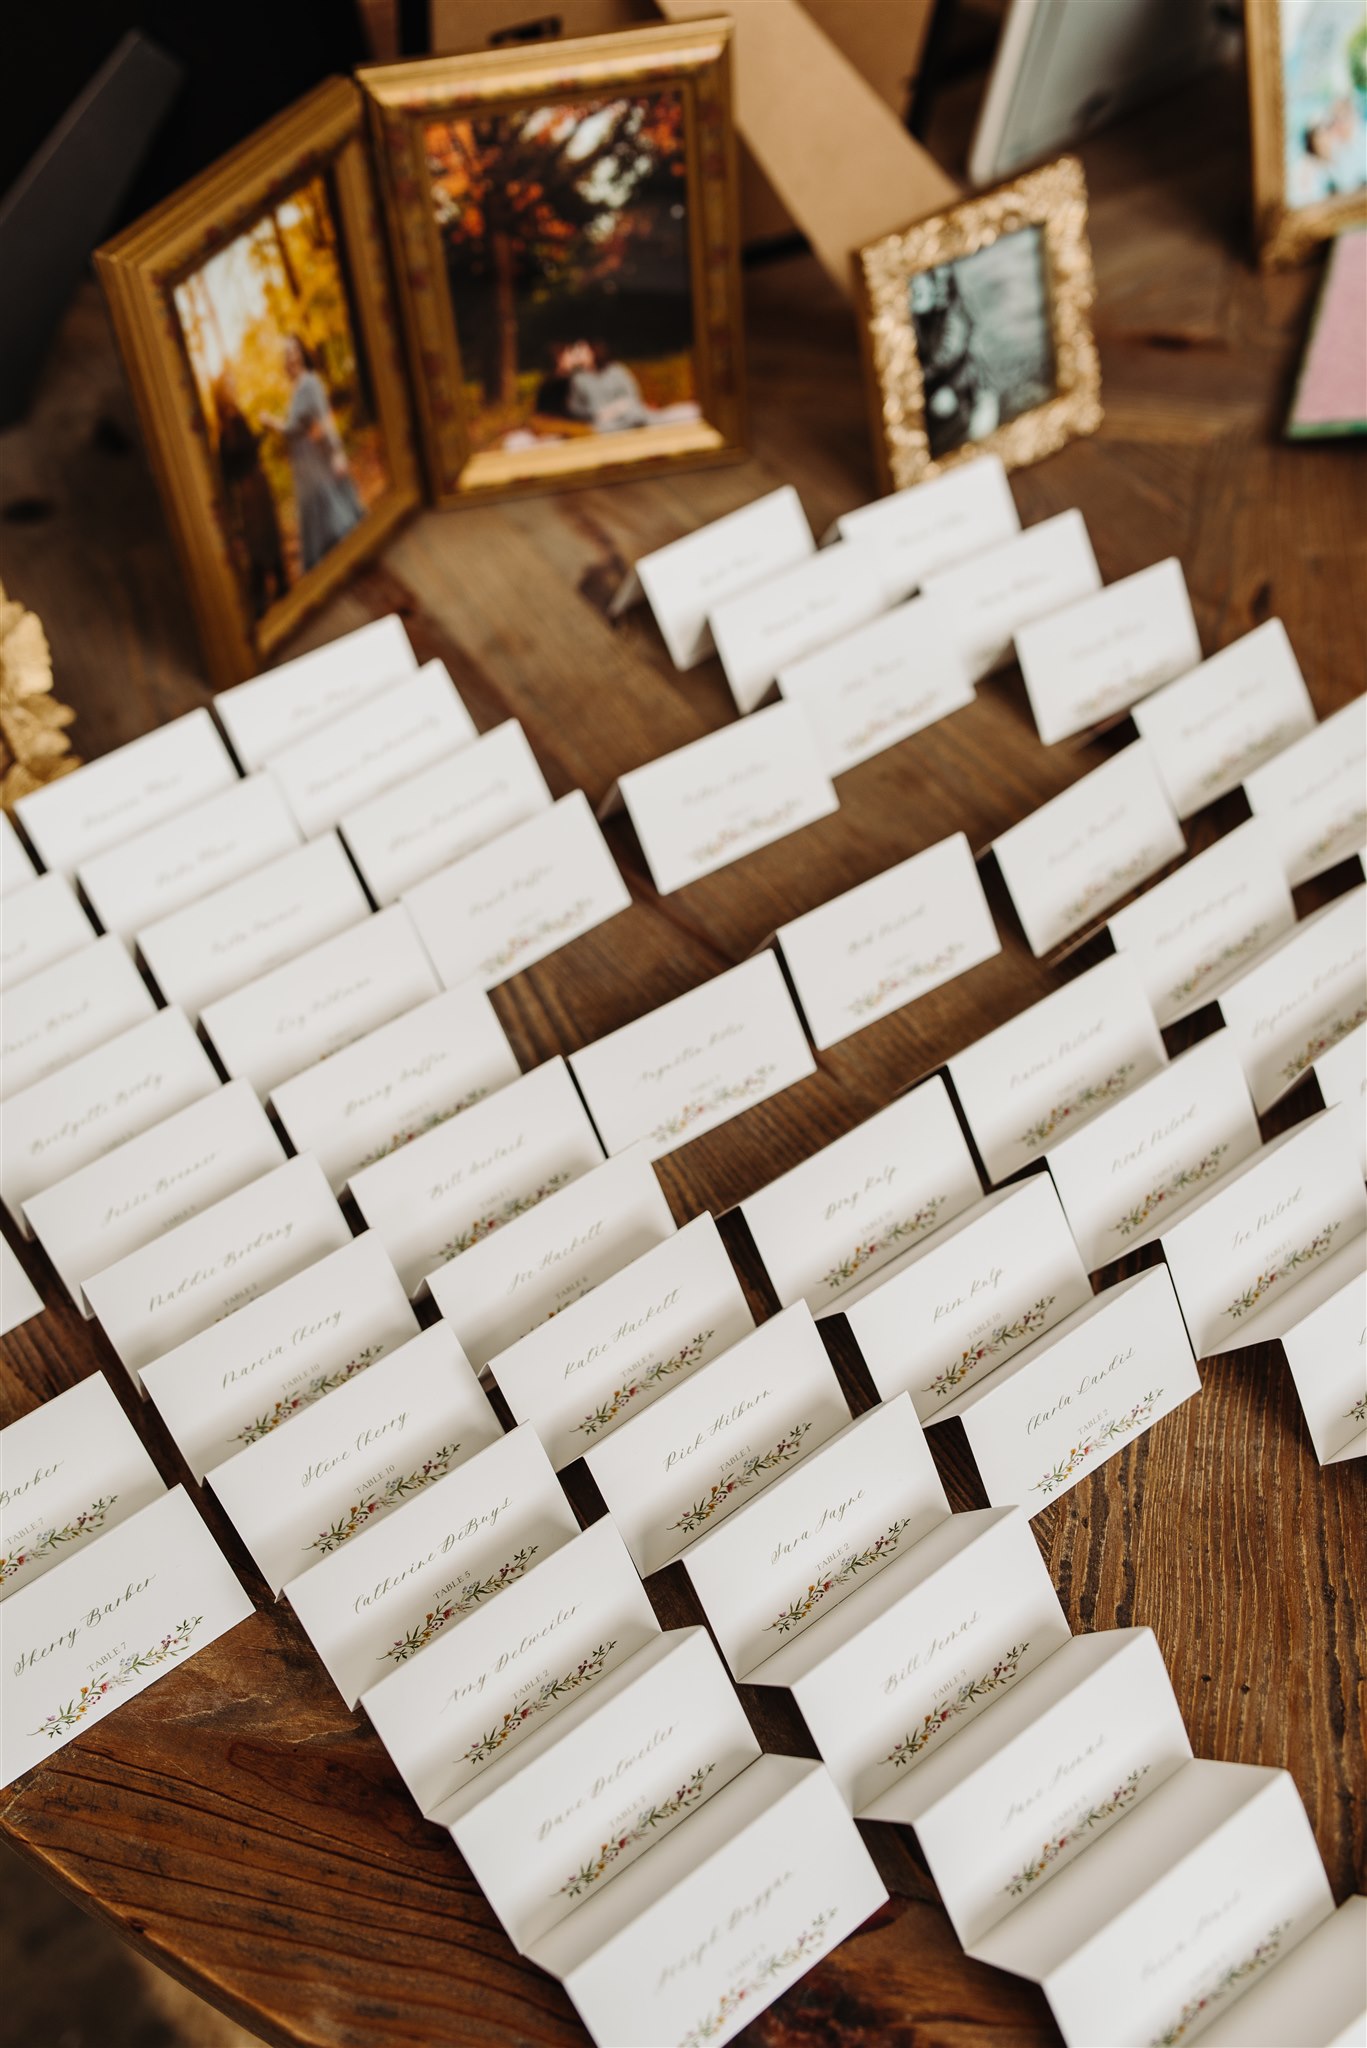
<point>269,712</point>
<point>1210,729</point>
<point>878,685</point>
<point>371,747</point>
<point>1096,658</point>
<point>991,596</point>
<point>104,802</point>
<point>73,1470</point>
<point>1297,1001</point>
<point>933,525</point>
<point>1311,794</point>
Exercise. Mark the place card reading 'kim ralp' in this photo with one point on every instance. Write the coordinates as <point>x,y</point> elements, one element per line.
<point>761,630</point>
<point>16,864</point>
<point>879,684</point>
<point>270,712</point>
<point>992,595</point>
<point>727,794</point>
<point>455,1545</point>
<point>251,1372</point>
<point>1312,796</point>
<point>1341,1077</point>
<point>684,581</point>
<point>472,1174</point>
<point>477,1690</point>
<point>1077,855</point>
<point>19,1298</point>
<point>854,1208</point>
<point>931,526</point>
<point>895,937</point>
<point>368,749</point>
<point>1326,1352</point>
<point>1094,659</point>
<point>695,1062</point>
<point>106,801</point>
<point>43,925</point>
<point>73,1470</point>
<point>66,1010</point>
<point>1211,728</point>
<point>1297,1001</point>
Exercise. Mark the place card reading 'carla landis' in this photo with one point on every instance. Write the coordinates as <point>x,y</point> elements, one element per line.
<point>300,1493</point>
<point>1039,1077</point>
<point>1078,854</point>
<point>725,1915</point>
<point>1094,659</point>
<point>854,1208</point>
<point>641,1332</point>
<point>454,1546</point>
<point>19,1298</point>
<point>881,945</point>
<point>727,794</point>
<point>1326,1351</point>
<point>693,1063</point>
<point>1210,729</point>
<point>991,596</point>
<point>685,580</point>
<point>469,1176</point>
<point>271,711</point>
<point>1311,794</point>
<point>787,1558</point>
<point>761,630</point>
<point>43,925</point>
<point>718,1438</point>
<point>879,684</point>
<point>1296,1002</point>
<point>106,801</point>
<point>106,1623</point>
<point>933,525</point>
<point>66,1010</point>
<point>16,866</point>
<point>73,1470</point>
<point>513,1663</point>
<point>371,747</point>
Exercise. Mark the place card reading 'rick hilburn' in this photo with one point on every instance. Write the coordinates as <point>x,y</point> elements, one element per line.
<point>879,684</point>
<point>1296,1002</point>
<point>271,711</point>
<point>933,525</point>
<point>43,925</point>
<point>1311,794</point>
<point>73,1470</point>
<point>66,1010</point>
<point>106,801</point>
<point>993,595</point>
<point>371,747</point>
<point>1096,658</point>
<point>1211,728</point>
<point>684,581</point>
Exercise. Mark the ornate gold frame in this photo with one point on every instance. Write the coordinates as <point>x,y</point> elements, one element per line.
<point>1285,234</point>
<point>1054,199</point>
<point>693,56</point>
<point>139,270</point>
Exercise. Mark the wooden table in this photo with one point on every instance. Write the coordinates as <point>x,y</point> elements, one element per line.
<point>235,1821</point>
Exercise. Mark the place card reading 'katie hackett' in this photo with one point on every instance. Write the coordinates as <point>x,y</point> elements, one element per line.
<point>1295,1003</point>
<point>106,801</point>
<point>695,1062</point>
<point>991,596</point>
<point>933,525</point>
<point>1094,659</point>
<point>269,712</point>
<point>1311,794</point>
<point>761,630</point>
<point>687,579</point>
<point>371,747</point>
<point>879,684</point>
<point>1210,729</point>
<point>73,1470</point>
<point>43,925</point>
<point>66,1010</point>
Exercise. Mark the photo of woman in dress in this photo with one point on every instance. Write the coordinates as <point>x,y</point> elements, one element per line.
<point>324,489</point>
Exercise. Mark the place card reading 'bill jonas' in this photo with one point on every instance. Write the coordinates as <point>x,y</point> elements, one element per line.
<point>684,581</point>
<point>1210,729</point>
<point>1312,796</point>
<point>269,712</point>
<point>1326,1351</point>
<point>1295,1003</point>
<point>68,1009</point>
<point>991,596</point>
<point>933,525</point>
<point>879,684</point>
<point>1094,659</point>
<point>106,801</point>
<point>43,925</point>
<point>73,1470</point>
<point>371,747</point>
<point>761,630</point>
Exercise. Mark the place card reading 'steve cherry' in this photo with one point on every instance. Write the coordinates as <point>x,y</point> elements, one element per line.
<point>1095,658</point>
<point>1211,728</point>
<point>369,748</point>
<point>105,801</point>
<point>1311,794</point>
<point>269,712</point>
<point>879,684</point>
<point>68,1009</point>
<point>761,630</point>
<point>43,925</point>
<point>933,525</point>
<point>73,1470</point>
<point>685,580</point>
<point>991,596</point>
<point>1295,1003</point>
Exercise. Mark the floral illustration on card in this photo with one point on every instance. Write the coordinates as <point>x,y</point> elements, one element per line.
<point>1177,1183</point>
<point>1097,1440</point>
<point>892,984</point>
<point>683,1360</point>
<point>546,1695</point>
<point>1087,1098</point>
<point>87,1523</point>
<point>1019,1329</point>
<point>1120,1801</point>
<point>402,1487</point>
<point>545,928</point>
<point>1107,887</point>
<point>290,1404</point>
<point>784,1451</point>
<point>124,1672</point>
<point>729,1091</point>
<point>464,1602</point>
<point>396,1140</point>
<point>901,720</point>
<point>761,824</point>
<point>1289,1262</point>
<point>903,1233</point>
<point>798,1951</point>
<point>967,1695</point>
<point>1214,964</point>
<point>1242,760</point>
<point>645,1823</point>
<point>878,1552</point>
<point>506,1212</point>
<point>1321,1041</point>
<point>1342,838</point>
<point>1252,1965</point>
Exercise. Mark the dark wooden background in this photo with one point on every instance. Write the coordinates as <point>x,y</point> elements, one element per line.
<point>235,1822</point>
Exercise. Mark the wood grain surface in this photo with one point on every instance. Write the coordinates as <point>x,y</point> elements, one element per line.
<point>235,1821</point>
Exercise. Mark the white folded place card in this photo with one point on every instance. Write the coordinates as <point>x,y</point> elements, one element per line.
<point>1095,658</point>
<point>1210,728</point>
<point>548,1259</point>
<point>109,1621</point>
<point>1311,794</point>
<point>321,1000</point>
<point>478,1689</point>
<point>147,1185</point>
<point>880,683</point>
<point>300,1493</point>
<point>163,868</point>
<point>73,1470</point>
<point>725,1915</point>
<point>442,812</point>
<point>1316,1995</point>
<point>1078,854</point>
<point>933,525</point>
<point>761,630</point>
<point>1326,1350</point>
<point>451,1548</point>
<point>510,903</point>
<point>249,1373</point>
<point>471,1174</point>
<point>718,1437</point>
<point>787,1558</point>
<point>16,865</point>
<point>385,1089</point>
<point>268,713</point>
<point>686,579</point>
<point>1200,927</point>
<point>106,801</point>
<point>1125,1176</point>
<point>1037,1078</point>
<point>370,747</point>
<point>727,794</point>
<point>879,946</point>
<point>19,1298</point>
<point>695,1062</point>
<point>66,1010</point>
<point>1341,1075</point>
<point>992,595</point>
<point>963,1304</point>
<point>1296,1002</point>
<point>608,1357</point>
<point>44,924</point>
<point>94,1103</point>
<point>201,1270</point>
<point>859,1205</point>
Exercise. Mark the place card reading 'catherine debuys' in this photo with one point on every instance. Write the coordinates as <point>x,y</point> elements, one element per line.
<point>1210,729</point>
<point>1070,860</point>
<point>1094,659</point>
<point>73,1470</point>
<point>66,1010</point>
<point>103,803</point>
<point>606,1358</point>
<point>1326,1351</point>
<point>472,1174</point>
<point>405,1579</point>
<point>263,716</point>
<point>19,1298</point>
<point>991,596</point>
<point>43,925</point>
<point>1296,1002</point>
<point>715,1440</point>
<point>881,945</point>
<point>695,1062</point>
<point>479,1689</point>
<point>879,684</point>
<point>371,747</point>
<point>1037,1078</point>
<point>246,1375</point>
<point>684,581</point>
<point>108,1622</point>
<point>727,794</point>
<point>1311,794</point>
<point>16,866</point>
<point>933,525</point>
<point>855,1207</point>
<point>759,631</point>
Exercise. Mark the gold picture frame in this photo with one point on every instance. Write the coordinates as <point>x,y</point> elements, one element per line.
<point>1287,232</point>
<point>919,391</point>
<point>276,247</point>
<point>485,427</point>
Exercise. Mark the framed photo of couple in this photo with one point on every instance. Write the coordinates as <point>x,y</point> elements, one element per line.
<point>1307,78</point>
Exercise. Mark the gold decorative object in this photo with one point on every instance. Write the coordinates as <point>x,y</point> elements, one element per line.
<point>1287,231</point>
<point>34,747</point>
